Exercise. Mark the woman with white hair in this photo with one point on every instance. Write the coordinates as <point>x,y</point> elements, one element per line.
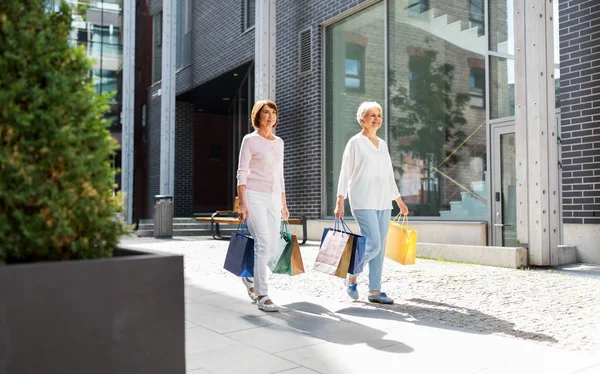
<point>367,179</point>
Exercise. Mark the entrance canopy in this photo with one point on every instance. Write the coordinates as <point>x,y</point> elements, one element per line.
<point>217,95</point>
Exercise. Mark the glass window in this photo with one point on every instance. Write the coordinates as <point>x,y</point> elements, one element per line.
<point>502,29</point>
<point>355,63</point>
<point>354,72</point>
<point>477,15</point>
<point>157,26</point>
<point>502,87</point>
<point>183,42</point>
<point>250,13</point>
<point>416,7</point>
<point>437,115</point>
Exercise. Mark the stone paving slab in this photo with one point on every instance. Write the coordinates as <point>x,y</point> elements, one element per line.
<point>463,331</point>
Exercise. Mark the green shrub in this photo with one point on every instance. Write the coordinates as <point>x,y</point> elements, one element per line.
<point>56,200</point>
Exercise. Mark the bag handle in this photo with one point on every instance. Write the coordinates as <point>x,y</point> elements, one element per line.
<point>284,226</point>
<point>403,221</point>
<point>345,227</point>
<point>242,226</point>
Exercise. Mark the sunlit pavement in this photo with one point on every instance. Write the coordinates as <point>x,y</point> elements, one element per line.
<point>226,333</point>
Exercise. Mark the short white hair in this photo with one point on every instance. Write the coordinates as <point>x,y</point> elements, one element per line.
<point>364,108</point>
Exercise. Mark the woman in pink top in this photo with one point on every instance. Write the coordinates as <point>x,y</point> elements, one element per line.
<point>261,192</point>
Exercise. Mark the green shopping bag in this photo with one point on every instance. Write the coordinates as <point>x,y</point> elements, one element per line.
<point>287,259</point>
<point>282,244</point>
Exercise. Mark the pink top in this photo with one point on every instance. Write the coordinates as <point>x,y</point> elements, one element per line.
<point>261,164</point>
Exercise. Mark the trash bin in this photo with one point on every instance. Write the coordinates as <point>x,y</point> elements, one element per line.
<point>163,216</point>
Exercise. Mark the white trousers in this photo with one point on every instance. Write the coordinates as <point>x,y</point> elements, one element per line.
<point>264,211</point>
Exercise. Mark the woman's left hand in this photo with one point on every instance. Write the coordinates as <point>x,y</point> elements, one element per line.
<point>402,206</point>
<point>285,213</point>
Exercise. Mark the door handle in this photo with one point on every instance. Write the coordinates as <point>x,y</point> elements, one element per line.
<point>498,219</point>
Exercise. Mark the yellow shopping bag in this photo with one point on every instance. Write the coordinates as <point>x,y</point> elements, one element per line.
<point>401,242</point>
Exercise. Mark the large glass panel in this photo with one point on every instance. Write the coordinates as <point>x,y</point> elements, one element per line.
<point>354,71</point>
<point>508,179</point>
<point>437,108</point>
<point>502,87</point>
<point>502,29</point>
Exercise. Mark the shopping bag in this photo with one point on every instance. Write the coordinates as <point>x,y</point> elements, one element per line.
<point>334,252</point>
<point>344,264</point>
<point>401,242</point>
<point>287,259</point>
<point>297,262</point>
<point>240,254</point>
<point>358,250</point>
<point>283,243</point>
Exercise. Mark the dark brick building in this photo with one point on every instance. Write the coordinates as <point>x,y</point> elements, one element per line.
<point>330,56</point>
<point>579,23</point>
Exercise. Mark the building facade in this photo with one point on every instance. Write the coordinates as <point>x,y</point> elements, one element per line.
<point>444,72</point>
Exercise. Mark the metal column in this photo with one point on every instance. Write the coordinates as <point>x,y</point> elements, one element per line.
<point>128,111</point>
<point>264,52</point>
<point>536,131</point>
<point>167,108</point>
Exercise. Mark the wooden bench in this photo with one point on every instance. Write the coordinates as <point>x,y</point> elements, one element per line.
<point>230,217</point>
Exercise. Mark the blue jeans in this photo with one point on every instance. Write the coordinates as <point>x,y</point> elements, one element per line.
<point>374,225</point>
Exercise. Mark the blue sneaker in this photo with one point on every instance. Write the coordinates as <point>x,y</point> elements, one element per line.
<point>380,298</point>
<point>352,291</point>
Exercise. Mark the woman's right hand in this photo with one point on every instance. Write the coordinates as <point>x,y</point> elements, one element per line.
<point>339,209</point>
<point>243,212</point>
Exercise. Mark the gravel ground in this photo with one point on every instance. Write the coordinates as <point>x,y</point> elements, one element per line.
<point>558,307</point>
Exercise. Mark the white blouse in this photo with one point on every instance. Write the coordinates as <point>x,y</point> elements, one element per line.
<point>367,175</point>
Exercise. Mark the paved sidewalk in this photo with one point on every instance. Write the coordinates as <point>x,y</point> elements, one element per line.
<point>320,331</point>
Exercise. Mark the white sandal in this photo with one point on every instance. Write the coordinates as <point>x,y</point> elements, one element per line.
<point>266,307</point>
<point>249,285</point>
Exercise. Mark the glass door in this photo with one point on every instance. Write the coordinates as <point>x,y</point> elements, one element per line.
<point>504,185</point>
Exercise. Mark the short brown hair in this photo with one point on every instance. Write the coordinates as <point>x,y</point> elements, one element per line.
<point>255,116</point>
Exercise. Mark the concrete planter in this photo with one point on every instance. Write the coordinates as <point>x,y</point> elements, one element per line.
<point>118,315</point>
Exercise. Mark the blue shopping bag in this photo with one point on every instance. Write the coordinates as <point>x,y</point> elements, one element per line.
<point>240,254</point>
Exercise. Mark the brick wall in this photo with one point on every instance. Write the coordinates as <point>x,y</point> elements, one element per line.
<point>219,42</point>
<point>184,159</point>
<point>579,23</point>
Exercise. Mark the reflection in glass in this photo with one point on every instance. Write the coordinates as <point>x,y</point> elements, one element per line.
<point>502,29</point>
<point>502,87</point>
<point>557,88</point>
<point>96,27</point>
<point>437,108</point>
<point>508,178</point>
<point>477,15</point>
<point>354,71</point>
<point>416,7</point>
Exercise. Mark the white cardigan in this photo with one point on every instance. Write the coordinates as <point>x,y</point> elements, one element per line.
<point>367,175</point>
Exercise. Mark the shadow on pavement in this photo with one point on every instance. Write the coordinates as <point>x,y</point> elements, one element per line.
<point>436,314</point>
<point>308,318</point>
<point>585,270</point>
<point>325,324</point>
